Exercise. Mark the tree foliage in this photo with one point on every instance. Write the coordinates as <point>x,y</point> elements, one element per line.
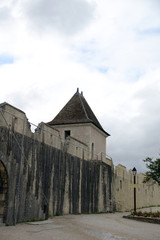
<point>154,170</point>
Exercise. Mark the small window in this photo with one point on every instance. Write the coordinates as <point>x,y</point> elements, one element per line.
<point>67,133</point>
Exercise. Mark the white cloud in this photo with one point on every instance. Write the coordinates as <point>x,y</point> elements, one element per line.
<point>109,49</point>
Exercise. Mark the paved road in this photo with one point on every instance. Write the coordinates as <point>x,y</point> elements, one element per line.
<point>83,227</point>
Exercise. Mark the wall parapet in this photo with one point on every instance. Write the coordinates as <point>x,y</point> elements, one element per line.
<point>76,148</point>
<point>48,135</point>
<point>16,120</point>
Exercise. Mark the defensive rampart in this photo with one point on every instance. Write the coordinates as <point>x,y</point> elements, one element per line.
<point>40,178</point>
<point>147,194</point>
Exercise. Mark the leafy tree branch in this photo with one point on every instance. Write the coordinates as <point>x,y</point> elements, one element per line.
<point>154,170</point>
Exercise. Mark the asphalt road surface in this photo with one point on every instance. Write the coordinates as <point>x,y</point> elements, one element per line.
<point>110,226</point>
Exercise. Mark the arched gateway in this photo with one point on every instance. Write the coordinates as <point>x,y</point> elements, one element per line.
<point>3,192</point>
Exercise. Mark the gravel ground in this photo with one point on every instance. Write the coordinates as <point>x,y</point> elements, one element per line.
<point>110,226</point>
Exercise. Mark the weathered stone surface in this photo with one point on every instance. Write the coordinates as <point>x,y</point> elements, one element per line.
<point>46,181</point>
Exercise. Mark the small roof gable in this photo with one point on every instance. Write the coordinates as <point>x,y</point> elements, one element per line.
<point>76,111</point>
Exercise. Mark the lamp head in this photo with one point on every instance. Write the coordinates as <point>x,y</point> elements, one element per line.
<point>134,171</point>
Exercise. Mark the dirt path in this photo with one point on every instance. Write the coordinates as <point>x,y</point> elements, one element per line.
<point>83,227</point>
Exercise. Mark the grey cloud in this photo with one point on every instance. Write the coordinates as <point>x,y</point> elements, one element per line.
<point>68,16</point>
<point>131,143</point>
<point>134,140</point>
<point>26,99</point>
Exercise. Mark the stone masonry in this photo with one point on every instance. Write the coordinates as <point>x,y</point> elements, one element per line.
<point>41,178</point>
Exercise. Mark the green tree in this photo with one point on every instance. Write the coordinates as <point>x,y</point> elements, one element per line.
<point>154,170</point>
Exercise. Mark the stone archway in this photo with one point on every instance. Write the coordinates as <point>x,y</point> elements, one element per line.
<point>3,192</point>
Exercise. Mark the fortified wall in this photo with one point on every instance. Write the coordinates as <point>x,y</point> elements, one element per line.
<point>41,176</point>
<point>147,194</point>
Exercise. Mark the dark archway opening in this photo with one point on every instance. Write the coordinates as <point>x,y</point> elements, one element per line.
<point>3,192</point>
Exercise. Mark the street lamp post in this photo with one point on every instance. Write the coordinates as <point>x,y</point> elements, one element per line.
<point>134,174</point>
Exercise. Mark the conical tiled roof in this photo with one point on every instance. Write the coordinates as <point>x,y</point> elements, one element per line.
<point>76,111</point>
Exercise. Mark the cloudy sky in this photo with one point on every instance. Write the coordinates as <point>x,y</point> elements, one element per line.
<point>109,49</point>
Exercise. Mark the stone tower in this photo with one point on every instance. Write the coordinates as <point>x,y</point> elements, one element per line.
<point>78,121</point>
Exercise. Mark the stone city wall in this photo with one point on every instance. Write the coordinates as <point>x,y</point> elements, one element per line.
<point>16,120</point>
<point>147,194</point>
<point>39,178</point>
<point>42,175</point>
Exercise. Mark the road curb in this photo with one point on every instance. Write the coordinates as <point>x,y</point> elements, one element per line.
<point>144,219</point>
